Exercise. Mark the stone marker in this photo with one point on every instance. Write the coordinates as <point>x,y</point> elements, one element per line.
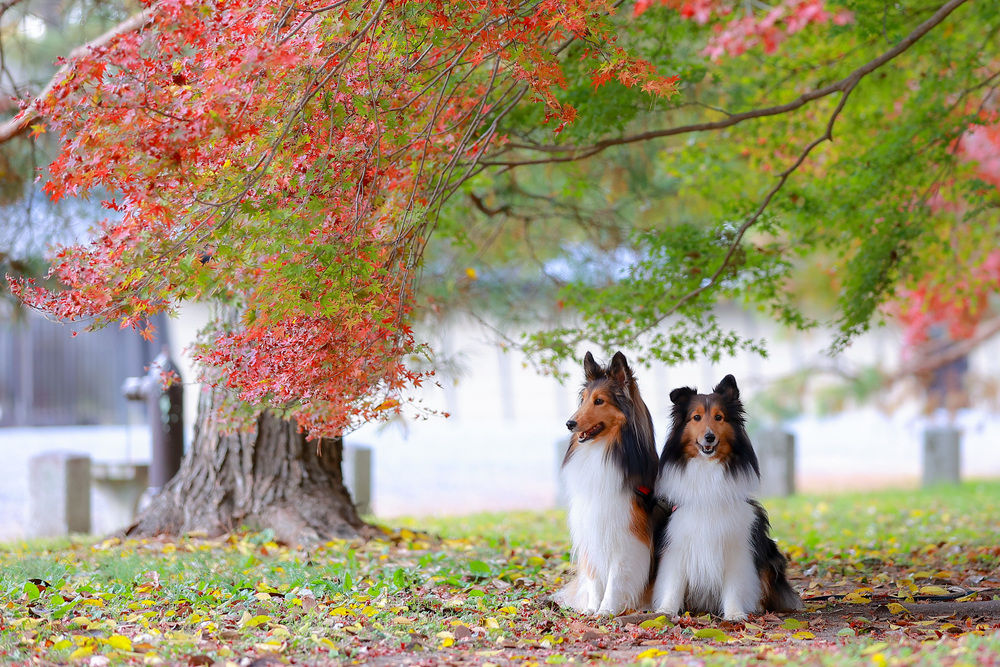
<point>357,469</point>
<point>942,455</point>
<point>58,494</point>
<point>776,454</point>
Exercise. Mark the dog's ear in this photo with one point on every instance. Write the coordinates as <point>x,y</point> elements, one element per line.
<point>727,387</point>
<point>591,371</point>
<point>619,371</point>
<point>681,395</point>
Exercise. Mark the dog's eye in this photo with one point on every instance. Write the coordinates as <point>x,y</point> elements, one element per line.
<point>598,401</point>
<point>697,418</point>
<point>718,418</point>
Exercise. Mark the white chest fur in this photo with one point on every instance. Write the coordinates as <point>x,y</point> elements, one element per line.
<point>707,559</point>
<point>612,562</point>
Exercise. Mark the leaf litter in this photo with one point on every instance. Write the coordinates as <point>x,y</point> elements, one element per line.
<point>889,586</point>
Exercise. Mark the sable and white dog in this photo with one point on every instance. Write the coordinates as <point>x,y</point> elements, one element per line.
<point>609,472</point>
<point>716,554</point>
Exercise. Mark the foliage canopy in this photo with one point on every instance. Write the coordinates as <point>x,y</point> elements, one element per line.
<point>296,161</point>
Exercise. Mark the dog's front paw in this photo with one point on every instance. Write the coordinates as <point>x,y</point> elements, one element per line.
<point>735,616</point>
<point>671,614</point>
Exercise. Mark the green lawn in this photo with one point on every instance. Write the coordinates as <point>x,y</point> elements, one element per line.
<point>473,589</point>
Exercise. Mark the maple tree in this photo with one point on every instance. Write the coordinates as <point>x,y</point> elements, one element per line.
<point>295,162</point>
<point>289,161</point>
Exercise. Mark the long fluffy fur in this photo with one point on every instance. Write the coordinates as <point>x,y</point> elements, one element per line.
<point>716,553</point>
<point>612,454</point>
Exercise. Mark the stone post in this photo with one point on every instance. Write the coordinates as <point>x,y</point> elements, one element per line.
<point>776,454</point>
<point>58,494</point>
<point>942,455</point>
<point>357,469</point>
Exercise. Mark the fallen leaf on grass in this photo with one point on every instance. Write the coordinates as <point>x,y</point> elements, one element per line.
<point>874,648</point>
<point>656,623</point>
<point>652,653</point>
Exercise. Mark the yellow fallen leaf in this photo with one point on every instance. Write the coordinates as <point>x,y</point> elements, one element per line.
<point>897,608</point>
<point>874,648</point>
<point>82,652</point>
<point>934,590</point>
<point>270,647</point>
<point>254,621</point>
<point>652,653</point>
<point>491,623</point>
<point>803,634</point>
<point>120,642</point>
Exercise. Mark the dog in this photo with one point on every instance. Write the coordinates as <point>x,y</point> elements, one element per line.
<point>716,553</point>
<point>609,473</point>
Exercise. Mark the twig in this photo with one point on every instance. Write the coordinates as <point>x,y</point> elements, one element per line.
<point>20,123</point>
<point>946,352</point>
<point>579,152</point>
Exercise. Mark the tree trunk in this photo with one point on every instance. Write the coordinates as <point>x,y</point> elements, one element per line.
<point>267,478</point>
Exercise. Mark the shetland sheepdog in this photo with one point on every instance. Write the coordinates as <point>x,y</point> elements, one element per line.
<point>609,474</point>
<point>716,553</point>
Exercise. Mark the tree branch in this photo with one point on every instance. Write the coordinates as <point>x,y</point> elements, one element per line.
<point>946,353</point>
<point>20,123</point>
<point>7,5</point>
<point>572,153</point>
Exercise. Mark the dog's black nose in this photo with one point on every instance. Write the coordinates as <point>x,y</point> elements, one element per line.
<point>571,424</point>
<point>710,437</point>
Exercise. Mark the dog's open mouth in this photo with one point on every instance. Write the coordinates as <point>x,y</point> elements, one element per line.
<point>707,449</point>
<point>590,433</point>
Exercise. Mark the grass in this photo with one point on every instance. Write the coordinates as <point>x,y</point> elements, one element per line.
<point>475,589</point>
